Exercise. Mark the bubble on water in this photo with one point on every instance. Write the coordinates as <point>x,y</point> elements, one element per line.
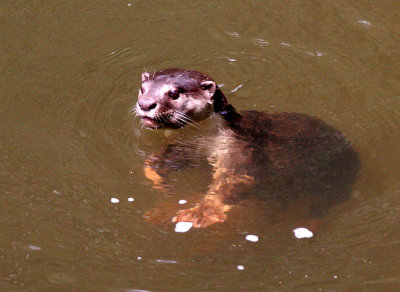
<point>114,200</point>
<point>252,238</point>
<point>34,247</point>
<point>302,233</point>
<point>260,42</point>
<point>183,226</point>
<point>316,54</point>
<point>181,202</point>
<point>240,267</point>
<point>365,22</point>
<point>237,88</point>
<point>162,261</point>
<point>131,199</point>
<point>233,33</point>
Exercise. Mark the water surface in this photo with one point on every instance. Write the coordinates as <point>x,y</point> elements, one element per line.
<point>69,76</point>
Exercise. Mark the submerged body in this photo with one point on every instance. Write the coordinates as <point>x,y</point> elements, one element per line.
<point>277,155</point>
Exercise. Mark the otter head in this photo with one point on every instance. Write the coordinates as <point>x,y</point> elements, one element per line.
<point>172,98</point>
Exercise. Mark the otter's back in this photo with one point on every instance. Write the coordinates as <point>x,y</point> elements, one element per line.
<point>294,154</point>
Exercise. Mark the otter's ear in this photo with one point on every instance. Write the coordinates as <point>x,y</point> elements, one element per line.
<point>209,87</point>
<point>145,76</point>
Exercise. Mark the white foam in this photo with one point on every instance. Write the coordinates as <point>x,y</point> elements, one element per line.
<point>240,267</point>
<point>114,200</point>
<point>302,233</point>
<point>131,199</point>
<point>252,238</point>
<point>183,226</point>
<point>181,202</point>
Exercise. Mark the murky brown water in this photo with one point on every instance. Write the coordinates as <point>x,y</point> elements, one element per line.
<point>69,75</point>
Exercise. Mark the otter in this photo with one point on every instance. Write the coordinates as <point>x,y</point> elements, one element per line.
<point>275,155</point>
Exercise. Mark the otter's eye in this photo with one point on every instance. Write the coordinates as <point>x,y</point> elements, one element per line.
<point>174,94</point>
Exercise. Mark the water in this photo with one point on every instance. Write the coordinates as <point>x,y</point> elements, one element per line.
<point>69,75</point>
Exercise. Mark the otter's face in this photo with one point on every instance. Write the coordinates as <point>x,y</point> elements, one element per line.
<point>173,98</point>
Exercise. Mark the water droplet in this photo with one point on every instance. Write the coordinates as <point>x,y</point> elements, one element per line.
<point>114,200</point>
<point>183,226</point>
<point>302,233</point>
<point>252,238</point>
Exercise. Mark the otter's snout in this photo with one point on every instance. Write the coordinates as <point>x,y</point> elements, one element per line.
<point>147,104</point>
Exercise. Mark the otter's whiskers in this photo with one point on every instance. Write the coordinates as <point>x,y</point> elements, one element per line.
<point>181,117</point>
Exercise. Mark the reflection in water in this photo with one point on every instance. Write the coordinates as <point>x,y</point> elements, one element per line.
<point>68,145</point>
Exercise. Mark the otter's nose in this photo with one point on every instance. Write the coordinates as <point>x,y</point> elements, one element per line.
<point>147,104</point>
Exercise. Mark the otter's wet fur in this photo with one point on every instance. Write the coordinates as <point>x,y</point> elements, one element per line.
<point>276,155</point>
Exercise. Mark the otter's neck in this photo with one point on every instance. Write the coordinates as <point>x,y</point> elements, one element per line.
<point>221,106</point>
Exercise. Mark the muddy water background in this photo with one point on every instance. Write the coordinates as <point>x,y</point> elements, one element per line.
<point>69,75</point>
